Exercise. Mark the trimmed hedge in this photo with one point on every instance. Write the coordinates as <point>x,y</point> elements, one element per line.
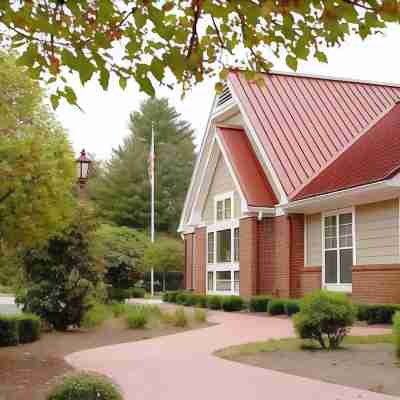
<point>292,307</point>
<point>201,300</point>
<point>9,330</point>
<point>396,332</point>
<point>19,328</point>
<point>117,294</point>
<point>28,328</point>
<point>259,303</point>
<point>232,303</point>
<point>86,387</point>
<point>276,307</point>
<point>377,313</point>
<point>137,293</point>
<point>214,302</point>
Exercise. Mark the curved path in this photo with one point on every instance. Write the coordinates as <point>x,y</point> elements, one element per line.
<point>182,367</point>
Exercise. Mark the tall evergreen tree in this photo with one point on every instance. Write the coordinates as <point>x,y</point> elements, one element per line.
<point>122,190</point>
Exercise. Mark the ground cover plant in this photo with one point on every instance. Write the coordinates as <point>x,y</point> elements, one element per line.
<point>86,387</point>
<point>325,317</point>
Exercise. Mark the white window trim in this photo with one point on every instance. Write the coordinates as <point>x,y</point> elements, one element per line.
<point>338,287</point>
<point>222,197</point>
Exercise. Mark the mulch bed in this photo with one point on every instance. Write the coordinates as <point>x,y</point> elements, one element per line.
<point>30,371</point>
<point>368,366</point>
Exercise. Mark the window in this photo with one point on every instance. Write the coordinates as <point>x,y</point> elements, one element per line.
<point>220,210</point>
<point>224,246</point>
<point>228,208</point>
<point>223,281</point>
<point>210,247</point>
<point>236,281</point>
<point>224,207</point>
<point>210,280</point>
<point>338,241</point>
<point>236,236</point>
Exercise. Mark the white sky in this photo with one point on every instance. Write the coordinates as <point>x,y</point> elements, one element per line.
<point>103,124</point>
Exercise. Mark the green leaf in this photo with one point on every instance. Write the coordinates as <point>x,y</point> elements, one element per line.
<point>291,62</point>
<point>70,95</point>
<point>321,57</point>
<point>157,69</point>
<point>122,83</point>
<point>55,101</point>
<point>146,85</point>
<point>104,78</point>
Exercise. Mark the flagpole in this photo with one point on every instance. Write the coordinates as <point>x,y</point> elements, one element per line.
<point>152,202</point>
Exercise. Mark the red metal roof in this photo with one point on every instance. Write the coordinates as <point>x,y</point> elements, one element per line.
<point>304,122</point>
<point>372,157</point>
<point>251,176</point>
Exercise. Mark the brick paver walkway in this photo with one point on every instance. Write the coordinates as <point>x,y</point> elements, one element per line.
<point>182,367</point>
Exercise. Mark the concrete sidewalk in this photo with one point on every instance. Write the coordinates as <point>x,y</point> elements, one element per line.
<point>182,366</point>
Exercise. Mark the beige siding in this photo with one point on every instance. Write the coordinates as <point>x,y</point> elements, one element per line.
<point>313,240</point>
<point>377,233</point>
<point>221,182</point>
<point>234,120</point>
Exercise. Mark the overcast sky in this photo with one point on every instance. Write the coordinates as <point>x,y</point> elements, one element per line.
<point>103,124</point>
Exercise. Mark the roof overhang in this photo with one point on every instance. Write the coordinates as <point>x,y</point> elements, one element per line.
<point>373,192</point>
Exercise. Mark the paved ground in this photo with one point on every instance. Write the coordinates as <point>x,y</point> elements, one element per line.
<point>182,367</point>
<point>7,305</point>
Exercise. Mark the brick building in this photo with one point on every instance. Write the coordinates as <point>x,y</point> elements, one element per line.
<point>297,187</point>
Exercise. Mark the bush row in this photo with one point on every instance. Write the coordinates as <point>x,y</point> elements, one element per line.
<point>19,328</point>
<point>396,332</point>
<point>377,313</point>
<point>235,303</point>
<point>120,295</point>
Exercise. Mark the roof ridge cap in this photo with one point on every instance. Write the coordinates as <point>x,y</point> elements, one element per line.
<point>345,148</point>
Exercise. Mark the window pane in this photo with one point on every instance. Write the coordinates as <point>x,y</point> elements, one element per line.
<point>228,209</point>
<point>236,281</point>
<point>346,264</point>
<point>345,230</point>
<point>236,236</point>
<point>331,266</point>
<point>210,247</point>
<point>224,246</point>
<point>330,232</point>
<point>210,280</point>
<point>220,209</point>
<point>223,281</point>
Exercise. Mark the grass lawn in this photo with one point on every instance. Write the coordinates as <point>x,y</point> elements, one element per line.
<point>365,362</point>
<point>31,370</point>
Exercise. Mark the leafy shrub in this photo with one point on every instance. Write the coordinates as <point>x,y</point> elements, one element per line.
<point>137,318</point>
<point>171,296</point>
<point>325,317</point>
<point>377,313</point>
<point>396,332</point>
<point>60,277</point>
<point>180,317</point>
<point>117,294</point>
<point>165,297</point>
<point>259,303</point>
<point>276,307</point>
<point>9,330</point>
<point>190,299</point>
<point>214,302</point>
<point>96,316</point>
<point>29,328</point>
<point>232,303</point>
<point>200,315</point>
<point>85,387</point>
<point>201,300</point>
<point>118,309</point>
<point>292,307</point>
<point>181,298</point>
<point>137,293</point>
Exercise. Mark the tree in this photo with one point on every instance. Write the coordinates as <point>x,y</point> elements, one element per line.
<point>122,190</point>
<point>120,250</point>
<point>60,277</point>
<point>37,167</point>
<point>188,40</point>
<point>164,255</point>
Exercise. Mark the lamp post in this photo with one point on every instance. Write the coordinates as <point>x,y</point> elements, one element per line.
<point>83,167</point>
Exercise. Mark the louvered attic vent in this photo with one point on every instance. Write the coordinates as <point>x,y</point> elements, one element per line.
<point>224,97</point>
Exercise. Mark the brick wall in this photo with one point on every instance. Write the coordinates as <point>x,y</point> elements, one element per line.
<point>188,261</point>
<point>310,279</point>
<point>376,283</point>
<point>296,253</point>
<point>200,260</point>
<point>266,254</point>
<point>248,255</point>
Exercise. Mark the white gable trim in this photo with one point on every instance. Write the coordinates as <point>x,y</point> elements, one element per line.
<point>259,150</point>
<point>216,151</point>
